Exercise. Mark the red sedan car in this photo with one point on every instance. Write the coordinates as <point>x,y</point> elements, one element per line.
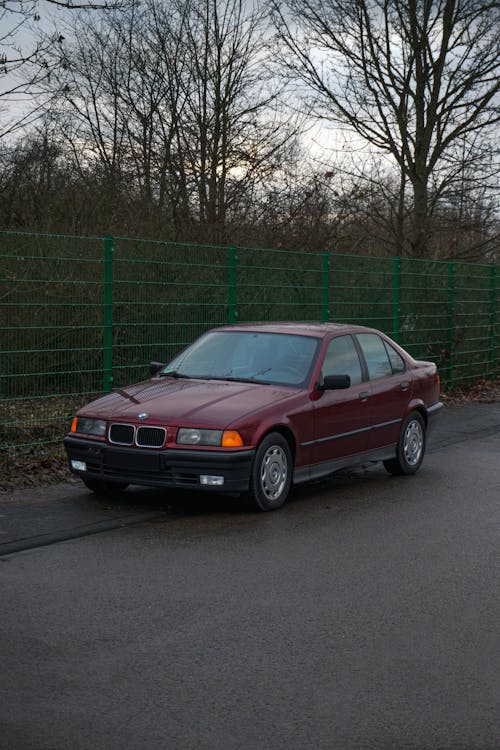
<point>252,408</point>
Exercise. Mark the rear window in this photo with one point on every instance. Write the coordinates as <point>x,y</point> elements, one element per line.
<point>376,356</point>
<point>396,360</point>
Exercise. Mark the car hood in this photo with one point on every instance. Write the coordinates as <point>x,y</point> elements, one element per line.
<point>190,402</point>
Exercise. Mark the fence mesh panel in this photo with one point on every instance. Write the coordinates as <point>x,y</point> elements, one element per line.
<point>82,315</point>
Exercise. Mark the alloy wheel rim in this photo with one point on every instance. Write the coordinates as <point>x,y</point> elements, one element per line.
<point>413,442</point>
<point>273,472</point>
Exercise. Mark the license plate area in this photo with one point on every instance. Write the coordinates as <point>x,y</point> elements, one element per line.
<point>134,461</point>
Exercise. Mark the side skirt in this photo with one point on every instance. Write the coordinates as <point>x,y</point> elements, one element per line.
<point>314,471</point>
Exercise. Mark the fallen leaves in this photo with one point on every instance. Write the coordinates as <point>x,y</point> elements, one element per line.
<point>482,391</point>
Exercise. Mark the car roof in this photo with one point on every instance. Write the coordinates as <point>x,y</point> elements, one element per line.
<point>299,328</point>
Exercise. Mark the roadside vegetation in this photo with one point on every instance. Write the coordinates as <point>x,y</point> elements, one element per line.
<point>187,120</point>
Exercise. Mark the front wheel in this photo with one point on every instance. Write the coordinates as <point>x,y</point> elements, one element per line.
<point>411,447</point>
<point>271,473</point>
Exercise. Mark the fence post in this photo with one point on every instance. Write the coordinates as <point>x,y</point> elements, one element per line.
<point>396,292</point>
<point>108,315</point>
<point>492,320</point>
<point>451,319</point>
<point>325,312</point>
<point>233,260</point>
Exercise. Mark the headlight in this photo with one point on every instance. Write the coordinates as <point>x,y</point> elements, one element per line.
<point>87,426</point>
<point>193,436</point>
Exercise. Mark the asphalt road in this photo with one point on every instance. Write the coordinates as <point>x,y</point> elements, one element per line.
<point>363,614</point>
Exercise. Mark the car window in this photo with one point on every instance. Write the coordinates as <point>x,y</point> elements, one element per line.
<point>342,358</point>
<point>397,361</point>
<point>377,359</point>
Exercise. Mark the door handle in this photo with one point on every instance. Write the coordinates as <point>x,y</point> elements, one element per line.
<point>404,385</point>
<point>364,394</point>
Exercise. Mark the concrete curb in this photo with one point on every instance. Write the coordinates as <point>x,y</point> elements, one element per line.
<point>43,540</point>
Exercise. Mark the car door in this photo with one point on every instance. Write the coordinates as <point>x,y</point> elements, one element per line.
<point>390,388</point>
<point>341,417</point>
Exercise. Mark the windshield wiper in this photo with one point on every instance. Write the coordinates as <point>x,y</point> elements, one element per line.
<point>177,374</point>
<point>237,380</point>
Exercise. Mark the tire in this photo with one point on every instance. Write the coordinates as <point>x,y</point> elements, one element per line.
<point>411,447</point>
<point>271,475</point>
<point>100,487</point>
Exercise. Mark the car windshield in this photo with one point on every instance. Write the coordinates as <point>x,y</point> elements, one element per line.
<point>247,356</point>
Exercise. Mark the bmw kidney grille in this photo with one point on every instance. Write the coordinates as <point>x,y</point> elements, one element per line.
<point>144,437</point>
<point>151,437</point>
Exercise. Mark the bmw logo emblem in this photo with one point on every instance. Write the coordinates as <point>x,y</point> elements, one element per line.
<point>143,415</point>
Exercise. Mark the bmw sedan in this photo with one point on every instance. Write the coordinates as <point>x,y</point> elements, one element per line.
<point>251,409</point>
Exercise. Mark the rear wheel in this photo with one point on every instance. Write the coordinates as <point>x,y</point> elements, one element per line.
<point>100,487</point>
<point>271,473</point>
<point>411,446</point>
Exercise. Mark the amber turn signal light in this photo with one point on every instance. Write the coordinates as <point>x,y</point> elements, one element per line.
<point>231,439</point>
<point>74,424</point>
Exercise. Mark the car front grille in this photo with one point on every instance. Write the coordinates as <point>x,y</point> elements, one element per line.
<point>122,434</point>
<point>150,437</point>
<point>144,437</point>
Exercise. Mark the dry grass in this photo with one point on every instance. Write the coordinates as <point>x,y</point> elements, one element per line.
<point>482,391</point>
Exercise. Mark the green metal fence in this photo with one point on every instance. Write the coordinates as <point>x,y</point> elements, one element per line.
<point>83,315</point>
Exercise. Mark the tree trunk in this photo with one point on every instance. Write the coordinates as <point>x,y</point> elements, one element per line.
<point>420,230</point>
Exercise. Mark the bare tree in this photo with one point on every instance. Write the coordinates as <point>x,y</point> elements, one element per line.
<point>173,100</point>
<point>34,180</point>
<point>122,89</point>
<point>465,208</point>
<point>27,57</point>
<point>414,78</point>
<point>233,131</point>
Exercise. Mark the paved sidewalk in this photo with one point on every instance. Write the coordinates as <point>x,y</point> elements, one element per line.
<point>37,516</point>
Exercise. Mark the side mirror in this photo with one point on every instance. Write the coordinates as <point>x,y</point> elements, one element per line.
<point>335,382</point>
<point>155,367</point>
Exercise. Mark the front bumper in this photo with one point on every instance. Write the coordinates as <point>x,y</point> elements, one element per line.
<point>165,468</point>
